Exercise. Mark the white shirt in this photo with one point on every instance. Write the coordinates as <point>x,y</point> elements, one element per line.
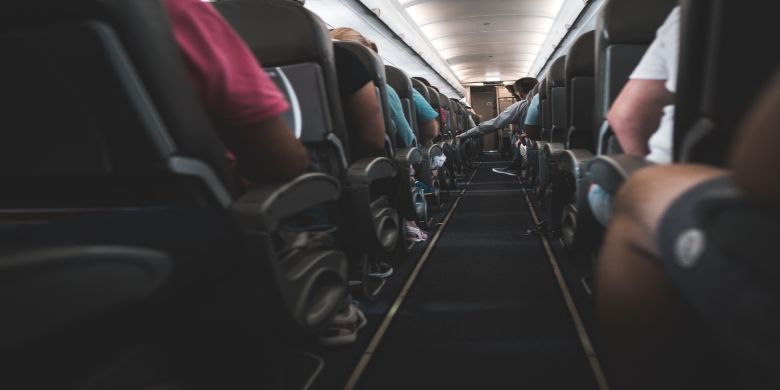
<point>660,63</point>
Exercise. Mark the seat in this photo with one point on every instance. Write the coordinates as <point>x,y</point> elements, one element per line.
<point>126,129</point>
<point>555,113</point>
<point>577,224</point>
<point>624,30</point>
<point>705,121</point>
<point>416,208</point>
<point>306,59</point>
<point>622,37</point>
<point>46,313</point>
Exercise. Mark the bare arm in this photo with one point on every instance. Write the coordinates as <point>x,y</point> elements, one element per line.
<point>428,131</point>
<point>637,112</point>
<point>755,157</point>
<point>365,112</point>
<point>269,152</point>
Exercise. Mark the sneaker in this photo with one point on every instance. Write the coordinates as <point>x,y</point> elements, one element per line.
<point>380,269</point>
<point>345,333</point>
<point>414,233</point>
<point>504,171</point>
<point>347,315</point>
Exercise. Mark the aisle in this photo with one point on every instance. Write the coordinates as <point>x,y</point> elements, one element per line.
<point>485,311</point>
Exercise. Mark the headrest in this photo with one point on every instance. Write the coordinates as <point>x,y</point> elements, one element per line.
<point>367,57</point>
<point>455,105</point>
<point>433,98</point>
<point>399,80</point>
<point>581,59</point>
<point>444,101</point>
<point>421,88</point>
<point>278,32</point>
<point>543,88</point>
<point>632,21</point>
<point>557,74</point>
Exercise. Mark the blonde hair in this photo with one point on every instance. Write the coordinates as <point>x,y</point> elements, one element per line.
<point>352,35</point>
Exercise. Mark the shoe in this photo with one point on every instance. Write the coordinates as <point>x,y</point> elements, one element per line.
<point>504,171</point>
<point>414,233</point>
<point>380,269</point>
<point>424,187</point>
<point>342,334</point>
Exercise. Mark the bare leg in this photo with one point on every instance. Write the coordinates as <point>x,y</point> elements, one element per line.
<point>647,332</point>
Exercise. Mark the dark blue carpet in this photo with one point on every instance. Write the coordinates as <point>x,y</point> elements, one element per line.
<point>486,311</point>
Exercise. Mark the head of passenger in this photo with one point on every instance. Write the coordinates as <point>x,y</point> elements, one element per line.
<point>362,107</point>
<point>352,35</point>
<point>524,85</point>
<point>422,80</point>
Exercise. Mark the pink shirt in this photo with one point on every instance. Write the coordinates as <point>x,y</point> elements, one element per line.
<point>229,80</point>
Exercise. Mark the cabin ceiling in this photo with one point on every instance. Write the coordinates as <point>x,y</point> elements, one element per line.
<point>485,40</point>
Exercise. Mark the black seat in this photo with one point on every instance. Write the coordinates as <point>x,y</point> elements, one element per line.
<point>54,329</point>
<point>415,208</point>
<point>577,223</point>
<point>624,30</point>
<point>306,59</point>
<point>133,118</point>
<point>556,115</point>
<point>705,121</point>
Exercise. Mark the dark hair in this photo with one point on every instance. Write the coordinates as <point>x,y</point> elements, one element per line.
<point>526,84</point>
<point>424,81</point>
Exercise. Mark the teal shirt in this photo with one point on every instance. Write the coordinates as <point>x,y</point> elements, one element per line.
<point>397,114</point>
<point>532,117</point>
<point>425,112</point>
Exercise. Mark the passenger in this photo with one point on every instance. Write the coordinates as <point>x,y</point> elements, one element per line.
<point>426,116</point>
<point>672,279</point>
<point>515,115</point>
<point>238,95</point>
<point>362,107</point>
<point>396,110</point>
<point>246,107</point>
<point>642,116</point>
<point>531,129</point>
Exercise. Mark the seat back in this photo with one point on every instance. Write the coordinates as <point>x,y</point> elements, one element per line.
<point>724,53</point>
<point>544,110</point>
<point>558,100</point>
<point>580,68</point>
<point>624,30</point>
<point>457,115</point>
<point>400,81</point>
<point>422,89</point>
<point>119,122</point>
<point>303,60</point>
<point>444,103</point>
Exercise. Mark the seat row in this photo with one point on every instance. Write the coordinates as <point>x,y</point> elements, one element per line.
<point>123,210</point>
<point>577,147</point>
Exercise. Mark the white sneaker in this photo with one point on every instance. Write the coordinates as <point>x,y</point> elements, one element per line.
<point>344,334</point>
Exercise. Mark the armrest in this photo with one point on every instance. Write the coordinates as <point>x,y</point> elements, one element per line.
<point>554,149</point>
<point>369,170</point>
<point>50,288</point>
<point>264,206</point>
<point>408,156</point>
<point>575,161</point>
<point>610,171</point>
<point>434,150</point>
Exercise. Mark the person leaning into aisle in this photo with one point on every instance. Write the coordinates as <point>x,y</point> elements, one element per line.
<point>514,114</point>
